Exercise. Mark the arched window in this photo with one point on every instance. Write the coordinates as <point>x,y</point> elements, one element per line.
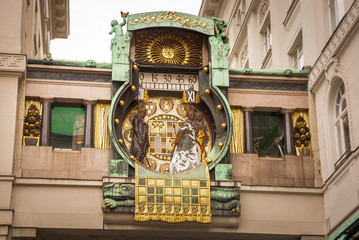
<point>342,121</point>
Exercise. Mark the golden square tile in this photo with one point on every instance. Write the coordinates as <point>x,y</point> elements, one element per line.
<point>195,183</point>
<point>168,199</point>
<point>160,182</point>
<point>204,200</point>
<point>168,191</point>
<point>151,182</point>
<point>142,190</point>
<point>177,191</point>
<point>203,192</point>
<point>186,183</point>
<point>177,199</point>
<point>142,198</point>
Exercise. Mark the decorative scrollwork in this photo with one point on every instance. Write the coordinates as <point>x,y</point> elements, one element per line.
<point>287,72</point>
<point>32,122</point>
<point>301,133</point>
<point>247,71</point>
<point>171,17</point>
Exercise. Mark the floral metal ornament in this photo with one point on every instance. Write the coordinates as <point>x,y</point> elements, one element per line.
<point>32,123</point>
<point>170,17</point>
<point>301,133</point>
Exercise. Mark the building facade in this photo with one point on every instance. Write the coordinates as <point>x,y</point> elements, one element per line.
<point>322,35</point>
<point>289,163</point>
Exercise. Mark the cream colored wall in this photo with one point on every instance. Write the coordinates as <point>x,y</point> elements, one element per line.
<point>348,71</point>
<point>349,59</point>
<point>309,17</point>
<point>70,204</point>
<point>327,163</point>
<point>10,27</point>
<point>253,43</point>
<point>68,89</point>
<point>293,171</point>
<point>88,163</point>
<point>20,22</point>
<point>339,58</point>
<point>42,203</point>
<point>268,99</point>
<point>279,210</point>
<point>341,195</point>
<point>12,71</point>
<point>8,99</point>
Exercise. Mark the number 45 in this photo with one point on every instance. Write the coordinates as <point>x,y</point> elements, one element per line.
<point>180,78</point>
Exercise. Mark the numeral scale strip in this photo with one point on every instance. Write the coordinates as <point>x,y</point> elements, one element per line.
<point>166,86</point>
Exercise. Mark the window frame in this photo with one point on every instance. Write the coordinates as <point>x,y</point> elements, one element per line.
<point>298,56</point>
<point>281,126</point>
<point>67,105</point>
<point>336,12</point>
<point>267,39</point>
<point>339,116</point>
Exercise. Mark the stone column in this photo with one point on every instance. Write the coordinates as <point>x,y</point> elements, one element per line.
<point>248,130</point>
<point>46,121</point>
<point>12,94</point>
<point>89,107</point>
<point>289,142</point>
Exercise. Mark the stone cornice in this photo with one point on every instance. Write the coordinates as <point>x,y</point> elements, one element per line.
<point>334,44</point>
<point>12,63</point>
<point>267,92</point>
<point>68,83</point>
<point>68,69</point>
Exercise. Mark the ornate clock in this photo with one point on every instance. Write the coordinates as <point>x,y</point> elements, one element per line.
<point>169,117</point>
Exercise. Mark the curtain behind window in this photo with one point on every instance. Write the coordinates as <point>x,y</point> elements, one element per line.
<point>101,131</point>
<point>237,143</point>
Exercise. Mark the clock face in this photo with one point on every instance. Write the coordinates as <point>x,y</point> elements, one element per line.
<point>165,117</point>
<point>168,116</point>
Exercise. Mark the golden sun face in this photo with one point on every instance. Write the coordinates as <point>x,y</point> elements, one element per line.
<point>168,47</point>
<point>168,52</point>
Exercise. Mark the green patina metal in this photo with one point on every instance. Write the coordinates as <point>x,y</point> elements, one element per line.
<point>118,197</point>
<point>217,153</point>
<point>111,129</point>
<point>342,233</point>
<point>118,168</point>
<point>170,19</point>
<point>219,55</point>
<point>120,47</point>
<point>269,72</point>
<point>223,172</point>
<point>220,80</point>
<point>225,201</point>
<point>88,63</point>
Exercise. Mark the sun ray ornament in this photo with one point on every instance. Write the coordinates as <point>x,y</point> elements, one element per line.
<point>168,47</point>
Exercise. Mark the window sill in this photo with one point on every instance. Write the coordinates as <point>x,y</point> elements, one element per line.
<point>290,12</point>
<point>267,58</point>
<point>270,158</point>
<point>342,159</point>
<point>66,151</point>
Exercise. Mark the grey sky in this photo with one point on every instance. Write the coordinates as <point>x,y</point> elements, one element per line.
<point>90,25</point>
